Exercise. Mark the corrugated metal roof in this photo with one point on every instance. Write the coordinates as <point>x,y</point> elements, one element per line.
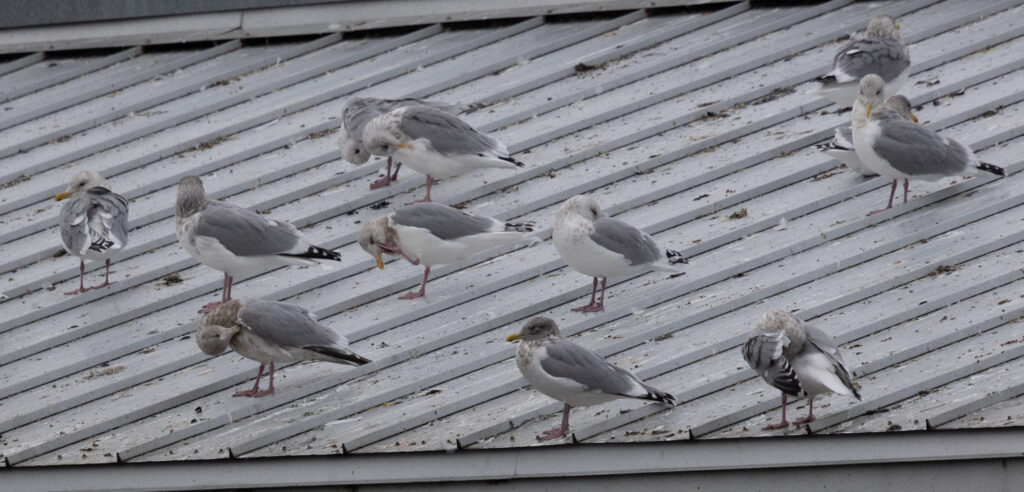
<point>673,120</point>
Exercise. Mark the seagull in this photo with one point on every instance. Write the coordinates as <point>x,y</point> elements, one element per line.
<point>434,234</point>
<point>880,52</point>
<point>597,245</point>
<point>841,146</point>
<point>434,143</point>
<point>269,332</point>
<point>360,110</point>
<point>573,374</point>
<point>93,223</point>
<point>898,149</point>
<point>237,241</point>
<point>798,359</point>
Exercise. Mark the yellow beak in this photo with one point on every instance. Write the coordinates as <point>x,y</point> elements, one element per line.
<point>868,105</point>
<point>403,146</point>
<point>62,195</point>
<point>913,117</point>
<point>380,261</point>
<point>513,337</point>
<point>897,27</point>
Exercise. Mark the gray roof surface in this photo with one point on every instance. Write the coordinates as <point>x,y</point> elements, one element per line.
<point>673,120</point>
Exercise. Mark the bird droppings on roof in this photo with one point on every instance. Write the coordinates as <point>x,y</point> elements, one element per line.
<point>926,350</point>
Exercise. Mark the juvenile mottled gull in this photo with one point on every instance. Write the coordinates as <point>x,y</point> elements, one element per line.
<point>841,146</point>
<point>237,241</point>
<point>899,149</point>
<point>269,332</point>
<point>434,234</point>
<point>798,359</point>
<point>360,110</point>
<point>93,223</point>
<point>573,374</point>
<point>434,143</point>
<point>597,245</point>
<point>880,52</point>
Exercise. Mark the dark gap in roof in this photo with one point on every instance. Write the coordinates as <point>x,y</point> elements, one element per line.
<point>279,40</point>
<point>84,53</point>
<point>783,3</point>
<point>385,32</point>
<point>585,16</point>
<point>182,47</point>
<point>689,9</point>
<point>483,24</point>
<point>12,56</point>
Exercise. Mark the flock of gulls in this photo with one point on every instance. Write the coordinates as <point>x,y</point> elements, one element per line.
<point>427,136</point>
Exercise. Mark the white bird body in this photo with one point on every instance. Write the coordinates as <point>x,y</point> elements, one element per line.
<point>564,389</point>
<point>210,252</point>
<point>431,250</point>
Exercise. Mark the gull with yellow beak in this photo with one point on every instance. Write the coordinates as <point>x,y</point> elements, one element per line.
<point>93,223</point>
<point>573,374</point>
<point>434,234</point>
<point>434,142</point>
<point>841,146</point>
<point>899,149</point>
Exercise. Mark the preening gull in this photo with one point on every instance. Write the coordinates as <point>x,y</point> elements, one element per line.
<point>434,143</point>
<point>880,52</point>
<point>597,245</point>
<point>431,234</point>
<point>841,146</point>
<point>360,110</point>
<point>237,241</point>
<point>798,359</point>
<point>573,374</point>
<point>269,332</point>
<point>899,149</point>
<point>93,223</point>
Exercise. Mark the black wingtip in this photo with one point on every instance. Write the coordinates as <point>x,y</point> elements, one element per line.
<point>675,257</point>
<point>827,78</point>
<point>349,357</point>
<point>992,168</point>
<point>518,227</point>
<point>513,161</point>
<point>318,253</point>
<point>469,108</point>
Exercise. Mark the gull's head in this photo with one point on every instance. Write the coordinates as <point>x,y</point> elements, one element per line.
<point>375,233</point>
<point>382,135</point>
<point>776,321</point>
<point>216,330</point>
<point>538,328</point>
<point>870,91</point>
<point>81,181</point>
<point>901,105</point>
<point>191,196</point>
<point>883,26</point>
<point>352,150</point>
<point>582,205</point>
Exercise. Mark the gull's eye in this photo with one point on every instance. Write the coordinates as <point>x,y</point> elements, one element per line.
<point>371,240</point>
<point>356,151</point>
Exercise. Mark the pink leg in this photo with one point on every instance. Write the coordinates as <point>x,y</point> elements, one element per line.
<point>430,182</point>
<point>387,179</point>
<point>256,387</point>
<point>225,295</point>
<point>593,297</point>
<point>906,189</point>
<point>593,308</point>
<point>106,277</point>
<point>81,280</point>
<point>394,177</point>
<point>783,424</point>
<point>891,195</point>
<point>423,287</point>
<point>810,414</point>
<point>558,431</point>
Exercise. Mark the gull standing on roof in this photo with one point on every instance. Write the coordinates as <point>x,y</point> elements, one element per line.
<point>597,245</point>
<point>360,110</point>
<point>880,52</point>
<point>573,374</point>
<point>269,332</point>
<point>899,149</point>
<point>431,234</point>
<point>798,359</point>
<point>93,223</point>
<point>237,241</point>
<point>434,143</point>
<point>841,146</point>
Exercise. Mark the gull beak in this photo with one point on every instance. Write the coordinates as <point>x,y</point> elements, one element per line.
<point>513,337</point>
<point>868,105</point>
<point>897,27</point>
<point>404,146</point>
<point>380,261</point>
<point>62,195</point>
<point>913,117</point>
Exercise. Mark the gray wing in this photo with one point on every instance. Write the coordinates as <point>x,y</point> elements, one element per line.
<point>821,342</point>
<point>448,135</point>
<point>286,324</point>
<point>444,222</point>
<point>764,353</point>
<point>246,233</point>
<point>626,240</point>
<point>917,151</point>
<point>844,137</point>
<point>97,220</point>
<point>360,110</point>
<point>884,57</point>
<point>566,359</point>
